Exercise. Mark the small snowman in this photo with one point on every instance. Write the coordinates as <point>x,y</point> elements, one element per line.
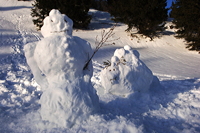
<point>57,63</point>
<point>126,73</point>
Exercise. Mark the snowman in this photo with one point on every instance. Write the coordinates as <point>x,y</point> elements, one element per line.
<point>57,63</point>
<point>126,74</point>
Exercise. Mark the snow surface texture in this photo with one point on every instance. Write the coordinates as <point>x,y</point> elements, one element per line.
<point>126,73</point>
<point>175,108</point>
<point>57,63</point>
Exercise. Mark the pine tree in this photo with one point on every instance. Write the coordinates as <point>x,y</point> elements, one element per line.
<point>146,15</point>
<point>40,10</point>
<point>77,10</point>
<point>100,5</point>
<point>186,14</point>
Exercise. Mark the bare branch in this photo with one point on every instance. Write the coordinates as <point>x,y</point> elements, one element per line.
<point>105,36</point>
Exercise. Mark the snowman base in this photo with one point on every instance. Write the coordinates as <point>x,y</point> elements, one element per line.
<point>68,106</point>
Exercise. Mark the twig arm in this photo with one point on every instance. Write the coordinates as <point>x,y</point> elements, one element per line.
<point>105,36</point>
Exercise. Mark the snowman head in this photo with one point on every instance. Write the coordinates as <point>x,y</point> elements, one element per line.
<point>56,23</point>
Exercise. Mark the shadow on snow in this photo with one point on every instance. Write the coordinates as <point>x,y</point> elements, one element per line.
<point>137,107</point>
<point>13,8</point>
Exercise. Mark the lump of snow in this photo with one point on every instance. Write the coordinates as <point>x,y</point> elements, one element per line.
<point>126,73</point>
<point>57,23</point>
<point>57,63</point>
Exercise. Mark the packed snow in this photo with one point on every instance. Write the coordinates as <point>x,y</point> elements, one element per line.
<point>57,62</point>
<point>171,106</point>
<point>126,73</point>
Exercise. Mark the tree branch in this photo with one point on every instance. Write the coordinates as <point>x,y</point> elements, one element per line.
<point>105,36</point>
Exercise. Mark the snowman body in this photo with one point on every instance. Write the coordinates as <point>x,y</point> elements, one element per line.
<point>58,60</point>
<point>126,74</point>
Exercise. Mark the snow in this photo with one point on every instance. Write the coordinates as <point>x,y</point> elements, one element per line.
<point>56,23</point>
<point>57,62</point>
<point>171,107</point>
<point>126,73</point>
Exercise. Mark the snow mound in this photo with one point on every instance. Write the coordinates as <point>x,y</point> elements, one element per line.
<point>126,73</point>
<point>57,63</point>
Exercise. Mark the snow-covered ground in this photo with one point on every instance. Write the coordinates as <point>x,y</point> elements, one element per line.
<point>174,107</point>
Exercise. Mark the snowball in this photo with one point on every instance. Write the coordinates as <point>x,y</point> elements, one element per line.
<point>127,47</point>
<point>119,53</point>
<point>126,74</point>
<point>57,63</point>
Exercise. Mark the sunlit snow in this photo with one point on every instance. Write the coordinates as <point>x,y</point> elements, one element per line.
<point>170,107</point>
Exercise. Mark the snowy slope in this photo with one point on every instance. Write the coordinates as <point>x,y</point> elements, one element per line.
<point>174,107</point>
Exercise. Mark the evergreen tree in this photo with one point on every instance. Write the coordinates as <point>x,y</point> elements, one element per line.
<point>186,14</point>
<point>77,10</point>
<point>146,15</point>
<point>100,5</point>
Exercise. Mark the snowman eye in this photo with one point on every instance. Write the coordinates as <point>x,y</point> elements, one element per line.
<point>51,20</point>
<point>66,21</point>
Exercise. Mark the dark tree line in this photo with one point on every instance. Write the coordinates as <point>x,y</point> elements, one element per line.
<point>146,15</point>
<point>186,14</point>
<point>77,10</point>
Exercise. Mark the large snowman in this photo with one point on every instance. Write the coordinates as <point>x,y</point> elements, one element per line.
<point>57,63</point>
